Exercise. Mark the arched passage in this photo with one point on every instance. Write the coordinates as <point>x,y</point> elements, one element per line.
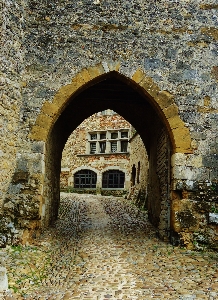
<point>152,112</point>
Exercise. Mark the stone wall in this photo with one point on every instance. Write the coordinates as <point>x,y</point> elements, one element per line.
<point>167,53</point>
<point>139,163</point>
<point>11,70</point>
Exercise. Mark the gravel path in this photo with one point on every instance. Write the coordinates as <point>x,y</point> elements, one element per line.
<point>104,248</point>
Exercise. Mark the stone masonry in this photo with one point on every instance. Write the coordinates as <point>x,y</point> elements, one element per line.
<point>139,170</point>
<point>76,154</point>
<point>154,63</point>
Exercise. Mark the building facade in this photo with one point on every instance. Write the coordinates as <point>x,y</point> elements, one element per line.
<point>96,156</point>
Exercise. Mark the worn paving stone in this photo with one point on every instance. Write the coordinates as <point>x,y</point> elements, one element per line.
<point>105,248</point>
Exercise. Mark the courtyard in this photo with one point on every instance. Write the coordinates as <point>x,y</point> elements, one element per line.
<point>105,248</point>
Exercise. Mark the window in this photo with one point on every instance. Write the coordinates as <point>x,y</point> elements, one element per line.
<point>111,141</point>
<point>102,136</point>
<point>114,135</point>
<point>85,179</point>
<point>92,148</point>
<point>124,146</point>
<point>124,134</point>
<point>102,147</point>
<point>113,179</point>
<point>113,147</point>
<point>93,136</point>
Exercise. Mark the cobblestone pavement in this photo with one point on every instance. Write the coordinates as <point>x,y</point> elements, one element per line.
<point>104,248</point>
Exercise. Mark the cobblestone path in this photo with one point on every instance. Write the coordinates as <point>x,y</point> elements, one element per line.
<point>104,248</point>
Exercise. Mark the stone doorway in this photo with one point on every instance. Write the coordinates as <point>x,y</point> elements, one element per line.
<point>151,111</point>
<point>116,92</point>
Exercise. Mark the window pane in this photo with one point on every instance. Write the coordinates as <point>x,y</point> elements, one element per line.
<point>113,179</point>
<point>93,136</point>
<point>85,179</point>
<point>113,147</point>
<point>124,134</point>
<point>114,135</point>
<point>92,148</point>
<point>102,136</point>
<point>124,146</point>
<point>102,147</point>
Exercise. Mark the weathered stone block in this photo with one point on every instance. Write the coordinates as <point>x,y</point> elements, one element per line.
<point>165,99</point>
<point>194,161</point>
<point>38,147</point>
<point>182,140</point>
<point>38,133</point>
<point>113,65</point>
<point>178,159</point>
<point>190,173</point>
<point>20,177</point>
<point>38,164</point>
<point>138,76</point>
<point>22,164</point>
<point>176,122</point>
<point>65,93</point>
<point>171,111</point>
<point>213,218</point>
<point>190,185</point>
<point>44,121</point>
<point>211,161</point>
<point>81,78</point>
<point>149,86</point>
<point>3,279</point>
<point>96,71</point>
<point>50,109</point>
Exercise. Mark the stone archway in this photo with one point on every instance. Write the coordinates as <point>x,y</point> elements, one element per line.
<point>162,100</point>
<point>139,100</point>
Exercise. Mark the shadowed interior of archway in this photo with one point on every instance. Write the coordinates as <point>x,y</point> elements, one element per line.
<point>127,101</point>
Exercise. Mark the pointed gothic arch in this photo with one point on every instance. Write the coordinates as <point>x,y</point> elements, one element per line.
<point>162,100</point>
<point>140,101</point>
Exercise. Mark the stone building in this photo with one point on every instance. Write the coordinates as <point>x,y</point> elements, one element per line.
<point>138,168</point>
<point>153,62</point>
<point>96,156</point>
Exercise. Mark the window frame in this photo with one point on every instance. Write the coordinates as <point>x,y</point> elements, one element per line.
<point>90,150</point>
<point>85,179</point>
<point>115,142</point>
<point>113,179</point>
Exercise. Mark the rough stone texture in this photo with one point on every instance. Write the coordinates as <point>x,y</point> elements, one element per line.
<point>11,62</point>
<point>3,274</point>
<point>76,154</point>
<point>105,248</point>
<point>158,202</point>
<point>165,51</point>
<point>139,163</point>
